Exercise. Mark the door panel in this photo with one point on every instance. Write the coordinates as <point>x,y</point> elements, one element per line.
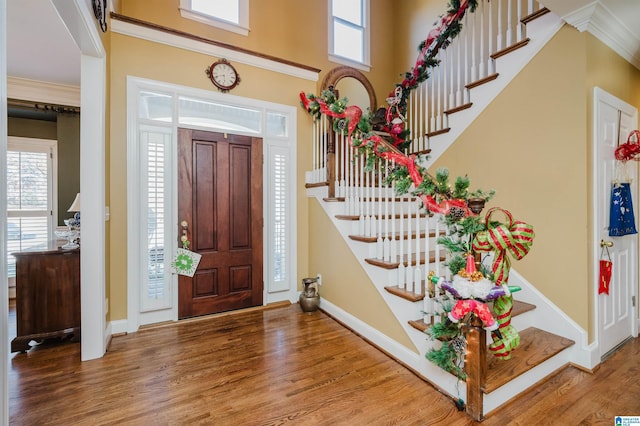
<point>614,121</point>
<point>220,197</point>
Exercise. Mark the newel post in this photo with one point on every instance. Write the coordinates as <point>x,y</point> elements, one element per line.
<point>331,158</point>
<point>475,364</point>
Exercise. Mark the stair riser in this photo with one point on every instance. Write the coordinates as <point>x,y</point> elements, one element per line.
<point>371,228</point>
<point>366,206</point>
<point>526,381</point>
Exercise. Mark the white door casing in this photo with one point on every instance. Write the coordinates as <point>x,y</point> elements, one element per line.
<point>615,314</point>
<point>279,155</point>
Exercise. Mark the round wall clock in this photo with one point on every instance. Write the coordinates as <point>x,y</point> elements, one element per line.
<point>223,75</point>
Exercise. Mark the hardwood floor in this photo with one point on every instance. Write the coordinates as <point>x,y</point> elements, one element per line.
<point>274,367</point>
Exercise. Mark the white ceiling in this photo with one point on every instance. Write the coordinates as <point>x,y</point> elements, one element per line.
<point>39,47</point>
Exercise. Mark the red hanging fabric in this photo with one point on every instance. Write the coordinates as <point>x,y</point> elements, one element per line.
<point>605,273</point>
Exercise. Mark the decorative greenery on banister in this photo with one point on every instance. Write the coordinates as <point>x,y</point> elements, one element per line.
<point>383,135</point>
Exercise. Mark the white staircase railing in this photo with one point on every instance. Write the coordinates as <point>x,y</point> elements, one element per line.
<point>401,237</point>
<point>468,60</point>
<point>495,27</point>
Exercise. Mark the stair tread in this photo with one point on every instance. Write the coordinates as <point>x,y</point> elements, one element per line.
<point>535,15</point>
<point>376,199</point>
<point>536,346</point>
<point>396,237</point>
<point>393,264</point>
<point>316,185</point>
<point>396,216</point>
<point>406,294</point>
<point>510,49</point>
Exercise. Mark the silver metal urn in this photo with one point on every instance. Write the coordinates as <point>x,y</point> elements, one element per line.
<point>309,298</point>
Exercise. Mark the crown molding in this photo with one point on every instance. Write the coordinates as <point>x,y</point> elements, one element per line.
<point>42,91</point>
<point>173,38</point>
<point>598,20</point>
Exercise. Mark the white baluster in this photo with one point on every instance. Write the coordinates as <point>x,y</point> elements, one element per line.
<point>520,28</point>
<point>437,246</point>
<point>437,311</point>
<point>427,301</point>
<point>482,72</point>
<point>367,213</point>
<point>409,270</point>
<point>393,241</point>
<point>467,42</point>
<point>353,206</point>
<point>432,80</point>
<point>323,138</point>
<point>361,191</point>
<point>490,40</point>
<point>509,36</point>
<point>450,64</point>
<point>474,49</point>
<point>499,43</point>
<point>336,165</point>
<point>379,241</point>
<point>441,94</point>
<point>423,114</point>
<point>402,282</point>
<point>344,159</point>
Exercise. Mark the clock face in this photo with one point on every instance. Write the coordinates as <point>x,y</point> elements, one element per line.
<point>224,76</point>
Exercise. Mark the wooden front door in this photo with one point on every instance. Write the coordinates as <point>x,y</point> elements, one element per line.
<point>220,199</point>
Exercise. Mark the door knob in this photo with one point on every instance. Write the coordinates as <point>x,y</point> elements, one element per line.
<point>607,244</point>
<point>184,239</point>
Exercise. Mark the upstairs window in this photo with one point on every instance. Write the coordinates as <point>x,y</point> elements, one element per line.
<point>229,15</point>
<point>349,32</point>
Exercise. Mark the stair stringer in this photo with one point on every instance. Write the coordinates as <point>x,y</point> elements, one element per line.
<point>540,31</point>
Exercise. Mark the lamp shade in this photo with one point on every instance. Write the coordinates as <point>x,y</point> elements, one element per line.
<point>75,206</point>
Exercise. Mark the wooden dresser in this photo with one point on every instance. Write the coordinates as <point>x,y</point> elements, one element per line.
<point>47,295</point>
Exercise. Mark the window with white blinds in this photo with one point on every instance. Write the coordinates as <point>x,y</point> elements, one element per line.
<point>154,144</point>
<point>30,195</point>
<point>280,207</point>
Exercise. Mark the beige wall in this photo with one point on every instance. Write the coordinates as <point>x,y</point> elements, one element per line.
<point>293,30</point>
<point>162,63</point>
<point>297,36</point>
<point>68,132</point>
<point>532,145</point>
<point>344,282</point>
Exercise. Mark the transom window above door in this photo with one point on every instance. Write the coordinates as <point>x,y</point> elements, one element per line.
<point>229,15</point>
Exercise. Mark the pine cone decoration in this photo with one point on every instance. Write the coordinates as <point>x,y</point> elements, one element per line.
<point>456,213</point>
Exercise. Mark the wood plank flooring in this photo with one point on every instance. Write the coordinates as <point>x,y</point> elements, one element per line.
<point>279,367</point>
